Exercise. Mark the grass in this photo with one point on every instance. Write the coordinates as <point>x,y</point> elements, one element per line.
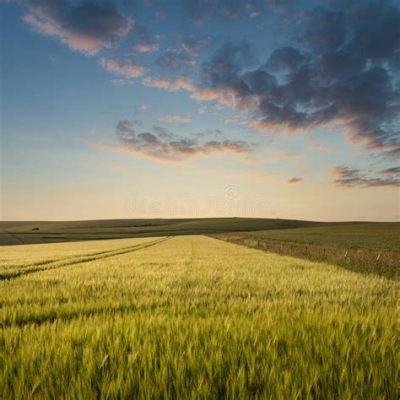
<point>192,317</point>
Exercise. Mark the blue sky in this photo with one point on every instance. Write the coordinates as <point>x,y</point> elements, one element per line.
<point>260,108</point>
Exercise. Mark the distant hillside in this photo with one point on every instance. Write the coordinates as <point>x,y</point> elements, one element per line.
<point>60,231</point>
<point>366,234</point>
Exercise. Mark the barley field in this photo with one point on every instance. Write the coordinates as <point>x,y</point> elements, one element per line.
<point>191,317</point>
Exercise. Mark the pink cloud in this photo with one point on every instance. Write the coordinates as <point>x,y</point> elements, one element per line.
<point>127,68</point>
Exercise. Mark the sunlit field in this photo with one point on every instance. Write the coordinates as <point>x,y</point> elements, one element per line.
<point>191,317</point>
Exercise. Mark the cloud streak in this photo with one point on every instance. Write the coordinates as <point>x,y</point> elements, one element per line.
<point>176,119</point>
<point>162,145</point>
<point>352,177</point>
<point>194,45</point>
<point>127,68</point>
<point>175,58</point>
<point>172,85</point>
<point>199,11</point>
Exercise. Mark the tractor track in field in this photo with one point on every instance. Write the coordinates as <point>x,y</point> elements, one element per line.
<point>8,276</point>
<point>68,316</point>
<point>78,256</point>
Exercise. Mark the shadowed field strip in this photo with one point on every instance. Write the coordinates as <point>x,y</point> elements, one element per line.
<point>68,261</point>
<point>7,239</point>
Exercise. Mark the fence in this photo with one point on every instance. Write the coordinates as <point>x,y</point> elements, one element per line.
<point>385,263</point>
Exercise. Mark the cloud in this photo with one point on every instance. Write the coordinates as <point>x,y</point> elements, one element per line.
<point>85,26</point>
<point>145,48</point>
<point>176,119</point>
<point>234,120</point>
<point>175,58</point>
<point>315,145</point>
<point>142,41</point>
<point>187,84</point>
<point>163,145</point>
<point>128,68</point>
<point>391,171</point>
<point>295,180</point>
<point>194,45</point>
<point>352,177</point>
<point>142,108</point>
<point>172,85</point>
<point>343,70</point>
<point>199,11</point>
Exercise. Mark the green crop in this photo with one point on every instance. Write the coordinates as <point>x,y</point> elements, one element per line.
<point>191,317</point>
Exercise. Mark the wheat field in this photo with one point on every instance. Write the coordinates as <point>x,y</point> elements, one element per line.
<point>191,318</point>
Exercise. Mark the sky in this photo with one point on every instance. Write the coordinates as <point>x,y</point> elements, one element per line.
<point>200,108</point>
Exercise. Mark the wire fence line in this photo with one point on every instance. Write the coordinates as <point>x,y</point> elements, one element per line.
<point>380,262</point>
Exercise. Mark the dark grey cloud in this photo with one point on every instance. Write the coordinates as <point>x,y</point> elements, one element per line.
<point>86,26</point>
<point>343,69</point>
<point>225,70</point>
<point>352,177</point>
<point>285,60</point>
<point>326,31</point>
<point>163,145</point>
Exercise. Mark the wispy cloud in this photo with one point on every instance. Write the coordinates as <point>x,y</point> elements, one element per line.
<point>193,45</point>
<point>315,145</point>
<point>176,119</point>
<point>199,11</point>
<point>86,26</point>
<point>174,58</point>
<point>142,108</point>
<point>142,40</point>
<point>128,67</point>
<point>172,85</point>
<point>352,177</point>
<point>187,84</point>
<point>163,145</point>
<point>391,171</point>
<point>146,47</point>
